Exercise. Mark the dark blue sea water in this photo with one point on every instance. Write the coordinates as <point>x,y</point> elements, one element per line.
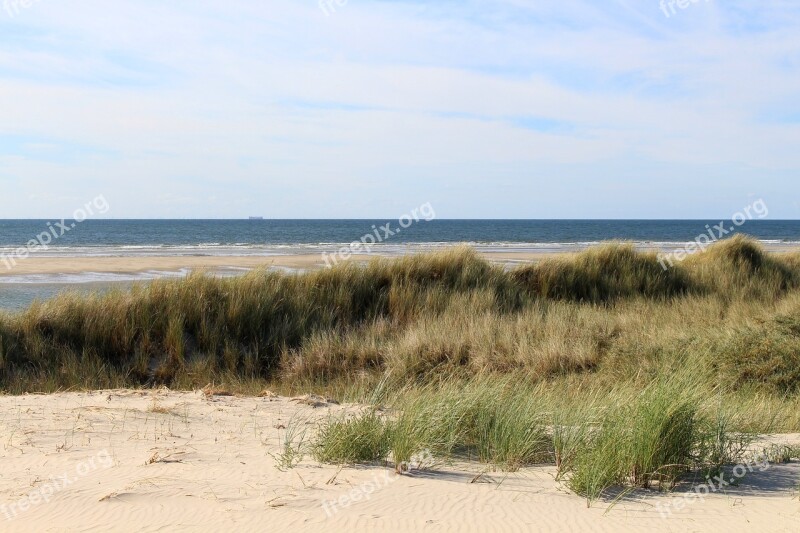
<point>204,235</point>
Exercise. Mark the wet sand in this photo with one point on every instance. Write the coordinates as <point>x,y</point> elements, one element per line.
<point>135,265</point>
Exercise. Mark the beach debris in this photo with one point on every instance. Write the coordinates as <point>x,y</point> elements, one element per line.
<point>314,401</point>
<point>210,391</point>
<point>274,503</point>
<point>332,480</point>
<point>482,478</point>
<point>170,458</point>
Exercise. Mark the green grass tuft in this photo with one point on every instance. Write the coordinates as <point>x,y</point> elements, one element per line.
<point>363,439</point>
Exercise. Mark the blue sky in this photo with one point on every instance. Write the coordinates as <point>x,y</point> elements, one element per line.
<point>486,109</point>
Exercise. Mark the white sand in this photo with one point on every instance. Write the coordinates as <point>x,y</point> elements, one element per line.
<point>36,265</point>
<point>208,465</point>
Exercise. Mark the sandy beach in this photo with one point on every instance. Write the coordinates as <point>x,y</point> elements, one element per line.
<point>167,461</point>
<point>44,265</point>
<point>337,266</point>
<point>132,265</point>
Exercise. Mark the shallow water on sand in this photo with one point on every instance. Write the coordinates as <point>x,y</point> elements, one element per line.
<point>18,296</point>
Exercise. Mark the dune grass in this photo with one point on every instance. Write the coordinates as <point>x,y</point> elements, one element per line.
<point>418,315</point>
<point>626,438</point>
<point>604,274</point>
<point>487,420</point>
<point>649,438</point>
<point>603,363</point>
<point>364,438</point>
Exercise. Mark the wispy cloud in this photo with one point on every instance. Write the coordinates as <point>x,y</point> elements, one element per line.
<point>490,108</point>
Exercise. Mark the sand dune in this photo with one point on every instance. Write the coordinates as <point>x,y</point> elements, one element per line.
<point>168,461</point>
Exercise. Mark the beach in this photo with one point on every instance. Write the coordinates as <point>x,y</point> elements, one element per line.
<point>344,266</point>
<point>126,460</point>
<point>83,261</point>
<point>454,390</point>
<point>177,264</point>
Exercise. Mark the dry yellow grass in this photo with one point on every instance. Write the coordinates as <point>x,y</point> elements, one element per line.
<point>604,317</point>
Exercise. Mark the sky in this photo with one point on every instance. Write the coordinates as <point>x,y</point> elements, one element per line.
<point>366,109</point>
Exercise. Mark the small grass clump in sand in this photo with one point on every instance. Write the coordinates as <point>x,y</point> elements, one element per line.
<point>425,422</point>
<point>508,430</point>
<point>648,438</point>
<point>362,439</point>
<point>781,453</point>
<point>293,444</point>
<point>487,420</point>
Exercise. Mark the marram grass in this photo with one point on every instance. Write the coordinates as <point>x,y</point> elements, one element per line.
<point>612,311</point>
<point>645,438</point>
<point>580,361</point>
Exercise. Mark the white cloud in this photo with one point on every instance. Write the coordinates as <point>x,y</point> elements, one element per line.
<point>274,105</point>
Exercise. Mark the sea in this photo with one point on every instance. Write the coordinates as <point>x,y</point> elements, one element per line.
<point>130,238</point>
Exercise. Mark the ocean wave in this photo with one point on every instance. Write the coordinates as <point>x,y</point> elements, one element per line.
<point>389,248</point>
<point>89,277</point>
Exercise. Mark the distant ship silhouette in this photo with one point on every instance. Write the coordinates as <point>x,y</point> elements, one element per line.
<point>256,218</point>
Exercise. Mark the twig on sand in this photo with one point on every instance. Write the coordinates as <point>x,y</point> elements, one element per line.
<point>333,479</point>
